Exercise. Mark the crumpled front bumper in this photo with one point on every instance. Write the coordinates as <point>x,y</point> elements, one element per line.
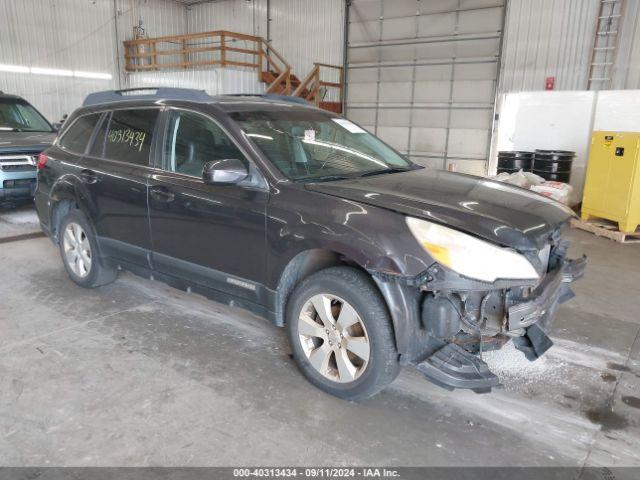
<point>534,315</point>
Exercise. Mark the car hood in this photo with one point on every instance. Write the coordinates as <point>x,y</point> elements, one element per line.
<point>496,211</point>
<point>18,142</point>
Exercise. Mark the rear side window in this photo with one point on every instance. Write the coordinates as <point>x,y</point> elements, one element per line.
<point>129,135</point>
<point>77,137</point>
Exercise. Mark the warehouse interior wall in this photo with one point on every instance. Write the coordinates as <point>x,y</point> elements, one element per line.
<point>78,44</point>
<point>87,35</point>
<point>302,31</point>
<point>555,38</point>
<point>81,40</point>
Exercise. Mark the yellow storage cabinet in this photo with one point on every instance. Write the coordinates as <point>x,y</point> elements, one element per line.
<point>612,187</point>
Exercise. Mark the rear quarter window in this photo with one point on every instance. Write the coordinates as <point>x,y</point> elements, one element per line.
<point>129,135</point>
<point>77,137</point>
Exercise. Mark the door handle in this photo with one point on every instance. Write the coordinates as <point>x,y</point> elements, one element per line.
<point>89,176</point>
<point>162,194</point>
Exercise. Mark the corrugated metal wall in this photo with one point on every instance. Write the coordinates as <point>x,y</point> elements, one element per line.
<point>214,81</point>
<point>628,65</point>
<point>73,35</point>
<point>238,16</point>
<point>159,17</point>
<point>548,38</point>
<point>307,31</point>
<point>554,38</point>
<point>303,31</point>
<point>62,34</point>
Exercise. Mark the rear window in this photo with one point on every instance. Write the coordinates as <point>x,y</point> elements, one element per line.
<point>129,135</point>
<point>77,137</point>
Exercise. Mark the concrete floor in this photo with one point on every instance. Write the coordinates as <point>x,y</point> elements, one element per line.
<point>137,373</point>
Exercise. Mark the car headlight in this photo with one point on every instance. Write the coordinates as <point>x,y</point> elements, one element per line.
<point>468,255</point>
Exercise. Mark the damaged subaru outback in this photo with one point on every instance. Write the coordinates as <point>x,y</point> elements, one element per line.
<point>370,261</point>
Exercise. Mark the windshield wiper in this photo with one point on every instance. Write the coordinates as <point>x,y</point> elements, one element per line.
<point>10,129</point>
<point>386,170</point>
<point>326,178</point>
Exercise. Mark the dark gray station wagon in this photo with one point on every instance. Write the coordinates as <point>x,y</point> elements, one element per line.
<point>370,261</point>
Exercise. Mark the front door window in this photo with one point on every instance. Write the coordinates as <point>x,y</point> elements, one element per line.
<point>193,141</point>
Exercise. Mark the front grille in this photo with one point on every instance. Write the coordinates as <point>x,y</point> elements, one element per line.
<point>18,168</point>
<point>24,162</point>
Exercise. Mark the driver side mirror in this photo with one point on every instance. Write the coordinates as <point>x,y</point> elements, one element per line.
<point>229,171</point>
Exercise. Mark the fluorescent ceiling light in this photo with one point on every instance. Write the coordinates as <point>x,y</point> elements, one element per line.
<point>51,71</point>
<point>58,72</point>
<point>97,75</point>
<point>13,68</point>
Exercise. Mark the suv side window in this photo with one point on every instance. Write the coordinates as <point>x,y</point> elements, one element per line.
<point>129,135</point>
<point>76,138</point>
<point>193,140</point>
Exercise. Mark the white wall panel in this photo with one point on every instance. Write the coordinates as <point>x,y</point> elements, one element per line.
<point>303,31</point>
<point>70,35</point>
<point>73,35</point>
<point>628,63</point>
<point>159,17</point>
<point>554,38</point>
<point>618,110</point>
<point>243,16</point>
<point>307,31</point>
<point>549,121</point>
<point>215,81</point>
<point>548,38</point>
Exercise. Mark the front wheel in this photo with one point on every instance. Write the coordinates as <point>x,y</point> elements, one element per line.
<point>340,333</point>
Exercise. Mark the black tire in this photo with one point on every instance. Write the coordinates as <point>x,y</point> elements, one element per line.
<point>99,273</point>
<point>358,289</point>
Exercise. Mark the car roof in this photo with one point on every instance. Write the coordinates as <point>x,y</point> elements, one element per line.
<point>163,95</point>
<point>10,96</point>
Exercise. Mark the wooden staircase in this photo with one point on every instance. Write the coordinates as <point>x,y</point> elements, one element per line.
<point>224,48</point>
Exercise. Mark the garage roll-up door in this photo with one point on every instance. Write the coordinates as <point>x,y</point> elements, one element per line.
<point>422,75</point>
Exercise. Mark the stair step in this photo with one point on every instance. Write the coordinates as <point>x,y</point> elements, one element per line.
<point>453,367</point>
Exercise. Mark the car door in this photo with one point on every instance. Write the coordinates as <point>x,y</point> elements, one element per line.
<point>115,172</point>
<point>211,235</point>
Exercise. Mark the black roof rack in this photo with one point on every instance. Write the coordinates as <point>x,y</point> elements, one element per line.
<point>272,96</point>
<point>147,93</point>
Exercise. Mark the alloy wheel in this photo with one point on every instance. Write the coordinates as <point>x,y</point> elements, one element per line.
<point>334,338</point>
<point>77,250</point>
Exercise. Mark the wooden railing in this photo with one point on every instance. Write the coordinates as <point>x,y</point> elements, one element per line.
<point>231,49</point>
<point>220,47</point>
<point>313,87</point>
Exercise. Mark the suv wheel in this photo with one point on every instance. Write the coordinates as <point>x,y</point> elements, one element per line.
<point>78,248</point>
<point>341,334</point>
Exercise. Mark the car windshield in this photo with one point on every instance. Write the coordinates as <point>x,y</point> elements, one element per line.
<point>311,145</point>
<point>18,116</point>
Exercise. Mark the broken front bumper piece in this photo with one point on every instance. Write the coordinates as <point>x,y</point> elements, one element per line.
<point>527,321</point>
<point>535,314</point>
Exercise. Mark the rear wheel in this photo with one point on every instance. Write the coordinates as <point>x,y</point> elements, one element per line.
<point>79,251</point>
<point>341,334</point>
